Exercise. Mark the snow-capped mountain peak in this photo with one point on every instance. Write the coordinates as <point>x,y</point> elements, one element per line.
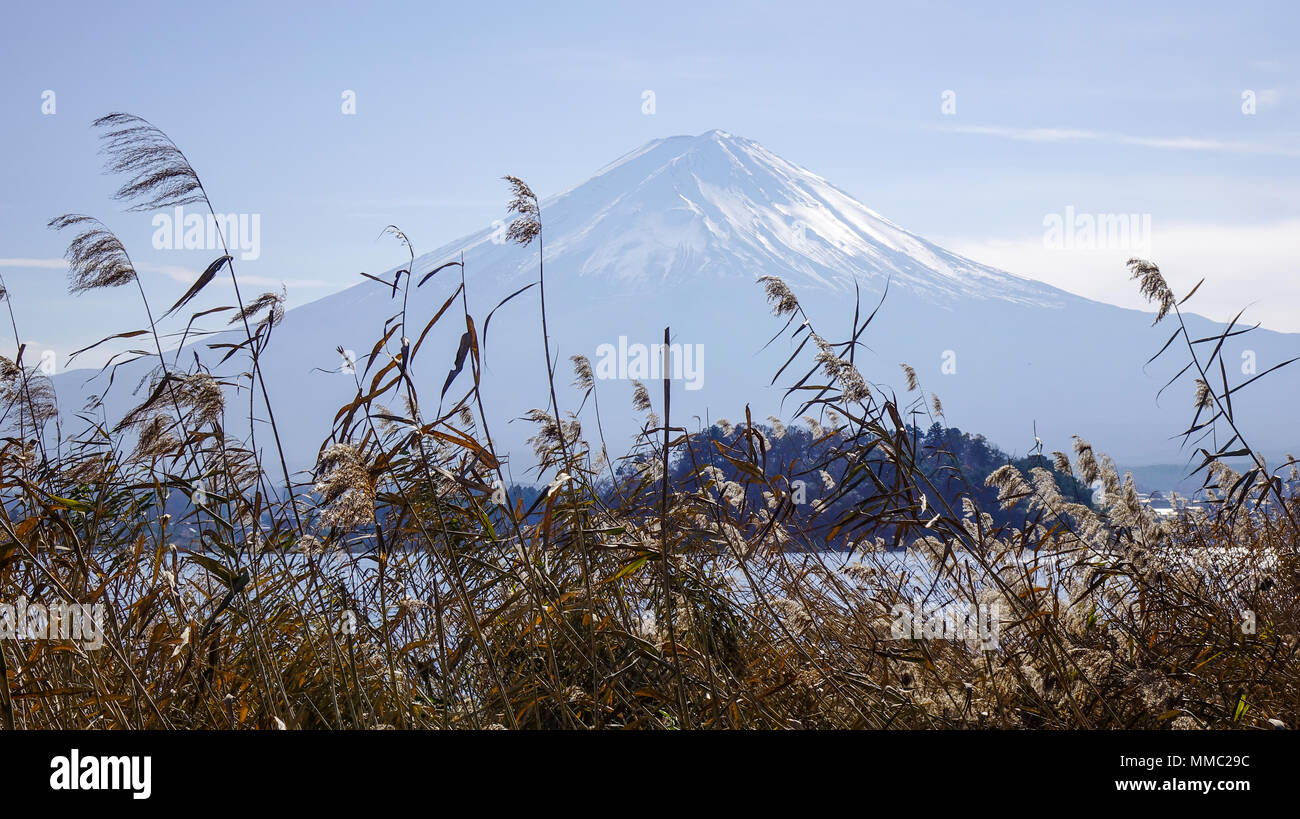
<point>687,208</point>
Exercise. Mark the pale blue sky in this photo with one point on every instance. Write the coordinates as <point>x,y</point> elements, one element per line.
<point>1105,107</point>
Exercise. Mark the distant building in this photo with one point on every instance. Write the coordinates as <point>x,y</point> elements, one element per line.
<point>1162,504</point>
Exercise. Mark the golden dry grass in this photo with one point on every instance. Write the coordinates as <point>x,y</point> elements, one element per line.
<point>398,591</point>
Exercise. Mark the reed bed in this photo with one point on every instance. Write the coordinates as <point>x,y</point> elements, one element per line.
<point>679,586</point>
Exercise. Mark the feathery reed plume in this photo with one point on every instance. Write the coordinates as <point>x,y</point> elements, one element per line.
<point>640,397</point>
<point>853,386</point>
<point>96,257</point>
<point>1204,398</point>
<point>11,374</point>
<point>346,488</point>
<point>400,235</point>
<point>827,357</point>
<point>1088,467</point>
<point>910,375</point>
<point>525,227</point>
<point>582,369</point>
<point>270,303</point>
<point>29,389</point>
<point>1061,462</point>
<point>779,294</point>
<point>814,426</point>
<point>1010,484</point>
<point>197,397</point>
<point>547,436</point>
<point>203,396</point>
<point>155,440</point>
<point>1152,285</point>
<point>778,427</point>
<point>159,175</point>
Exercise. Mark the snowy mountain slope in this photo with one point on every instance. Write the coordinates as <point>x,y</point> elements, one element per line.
<point>694,208</point>
<point>675,234</point>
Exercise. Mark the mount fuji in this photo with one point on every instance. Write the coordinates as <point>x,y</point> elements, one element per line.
<point>675,234</point>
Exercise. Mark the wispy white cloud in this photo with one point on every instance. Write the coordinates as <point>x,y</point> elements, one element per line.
<point>171,271</point>
<point>1182,143</point>
<point>35,264</point>
<point>1244,266</point>
<point>33,350</point>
